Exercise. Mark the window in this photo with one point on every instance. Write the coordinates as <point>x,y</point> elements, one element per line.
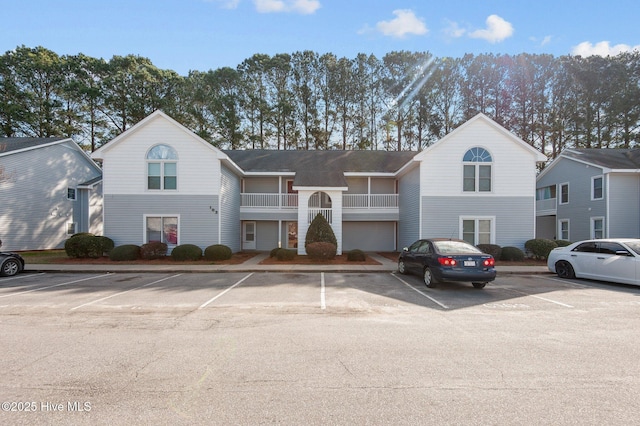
<point>71,194</point>
<point>71,228</point>
<point>162,168</point>
<point>162,228</point>
<point>564,193</point>
<point>563,229</point>
<point>546,193</point>
<point>596,188</point>
<point>477,230</point>
<point>476,172</point>
<point>597,227</point>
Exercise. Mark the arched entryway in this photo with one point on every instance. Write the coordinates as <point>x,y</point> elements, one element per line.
<point>320,202</point>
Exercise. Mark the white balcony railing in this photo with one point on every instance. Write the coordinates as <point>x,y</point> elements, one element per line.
<point>370,201</point>
<point>327,213</point>
<point>290,201</point>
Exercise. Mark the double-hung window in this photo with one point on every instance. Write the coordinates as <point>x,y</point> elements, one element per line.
<point>162,168</point>
<point>596,188</point>
<point>477,230</point>
<point>477,170</point>
<point>162,228</point>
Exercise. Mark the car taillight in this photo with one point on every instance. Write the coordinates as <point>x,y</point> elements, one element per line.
<point>447,261</point>
<point>489,262</point>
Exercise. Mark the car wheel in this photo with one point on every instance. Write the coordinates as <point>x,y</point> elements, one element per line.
<point>10,267</point>
<point>479,285</point>
<point>429,280</point>
<point>401,267</point>
<point>565,270</point>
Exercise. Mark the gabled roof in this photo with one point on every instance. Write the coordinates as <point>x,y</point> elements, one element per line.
<point>608,159</point>
<point>13,145</point>
<point>480,117</point>
<point>320,168</point>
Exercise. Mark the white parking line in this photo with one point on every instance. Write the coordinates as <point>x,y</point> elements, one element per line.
<point>204,305</point>
<point>19,277</point>
<point>540,297</point>
<point>56,285</point>
<point>122,292</point>
<point>323,303</point>
<point>424,294</point>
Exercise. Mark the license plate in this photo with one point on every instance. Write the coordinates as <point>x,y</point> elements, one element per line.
<point>469,263</point>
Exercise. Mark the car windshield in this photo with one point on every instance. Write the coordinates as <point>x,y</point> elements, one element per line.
<point>634,245</point>
<point>455,247</point>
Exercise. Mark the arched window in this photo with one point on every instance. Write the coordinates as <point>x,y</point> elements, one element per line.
<point>477,170</point>
<point>162,168</point>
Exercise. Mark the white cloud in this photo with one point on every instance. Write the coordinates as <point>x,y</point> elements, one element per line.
<point>601,49</point>
<point>304,7</point>
<point>497,30</point>
<point>453,29</point>
<point>405,22</point>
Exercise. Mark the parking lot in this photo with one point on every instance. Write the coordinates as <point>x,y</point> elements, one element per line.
<point>316,348</point>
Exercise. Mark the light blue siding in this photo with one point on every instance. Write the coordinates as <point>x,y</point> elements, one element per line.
<point>409,203</point>
<point>513,217</point>
<point>368,236</point>
<point>34,209</point>
<point>624,206</point>
<point>230,210</point>
<point>124,217</point>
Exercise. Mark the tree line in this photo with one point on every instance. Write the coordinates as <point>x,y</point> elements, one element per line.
<point>305,100</point>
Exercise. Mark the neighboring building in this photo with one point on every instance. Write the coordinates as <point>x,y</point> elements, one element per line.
<point>49,189</point>
<point>162,182</point>
<point>590,193</point>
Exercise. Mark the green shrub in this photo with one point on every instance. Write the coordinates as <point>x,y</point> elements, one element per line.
<point>125,252</point>
<point>82,234</point>
<point>563,243</point>
<point>186,252</point>
<point>285,254</point>
<point>217,252</point>
<point>356,255</point>
<point>106,244</point>
<point>83,246</point>
<point>539,248</point>
<point>492,249</point>
<point>153,250</point>
<point>512,254</point>
<point>321,251</point>
<point>320,232</point>
<point>274,252</point>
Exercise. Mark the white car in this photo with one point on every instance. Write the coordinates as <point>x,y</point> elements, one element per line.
<point>615,260</point>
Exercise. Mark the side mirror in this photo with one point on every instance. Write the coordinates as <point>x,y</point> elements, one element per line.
<point>623,253</point>
<point>405,249</point>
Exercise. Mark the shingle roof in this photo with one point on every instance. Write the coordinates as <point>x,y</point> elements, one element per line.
<point>612,158</point>
<point>16,144</point>
<point>320,168</point>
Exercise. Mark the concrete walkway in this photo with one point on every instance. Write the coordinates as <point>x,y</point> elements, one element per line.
<point>253,265</point>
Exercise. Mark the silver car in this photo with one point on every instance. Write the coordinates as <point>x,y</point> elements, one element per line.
<point>616,260</point>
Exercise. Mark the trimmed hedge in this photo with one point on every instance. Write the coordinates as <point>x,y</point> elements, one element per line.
<point>153,250</point>
<point>283,254</point>
<point>320,231</point>
<point>356,255</point>
<point>492,249</point>
<point>563,243</point>
<point>217,252</point>
<point>86,245</point>
<point>186,252</point>
<point>321,250</point>
<point>512,254</point>
<point>540,248</point>
<point>125,252</point>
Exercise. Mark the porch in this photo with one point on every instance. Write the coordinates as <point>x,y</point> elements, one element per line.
<point>275,201</point>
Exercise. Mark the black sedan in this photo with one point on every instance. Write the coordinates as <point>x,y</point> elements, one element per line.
<point>10,263</point>
<point>440,259</point>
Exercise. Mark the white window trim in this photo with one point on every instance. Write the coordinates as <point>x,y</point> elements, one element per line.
<point>592,230</point>
<point>492,238</point>
<point>162,163</point>
<point>144,227</point>
<point>75,194</point>
<point>593,179</point>
<point>559,193</point>
<point>476,167</point>
<point>74,228</point>
<point>560,222</point>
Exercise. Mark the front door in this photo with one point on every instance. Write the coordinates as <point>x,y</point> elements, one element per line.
<point>249,235</point>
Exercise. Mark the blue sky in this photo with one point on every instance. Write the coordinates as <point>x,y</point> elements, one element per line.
<point>185,35</point>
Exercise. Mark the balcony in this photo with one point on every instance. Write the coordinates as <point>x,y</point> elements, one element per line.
<point>272,201</point>
<point>546,207</point>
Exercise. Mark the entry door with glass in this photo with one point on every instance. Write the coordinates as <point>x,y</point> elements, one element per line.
<point>249,236</point>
